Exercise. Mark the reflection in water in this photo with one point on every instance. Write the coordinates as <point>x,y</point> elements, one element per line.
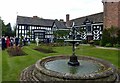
<point>73,70</point>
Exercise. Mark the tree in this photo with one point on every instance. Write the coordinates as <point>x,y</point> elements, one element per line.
<point>14,30</point>
<point>111,36</point>
<point>7,30</point>
<point>3,28</point>
<point>0,27</point>
<point>60,33</point>
<point>118,36</point>
<point>105,37</point>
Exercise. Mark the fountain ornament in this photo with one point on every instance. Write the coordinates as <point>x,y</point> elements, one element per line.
<point>73,59</point>
<point>69,69</point>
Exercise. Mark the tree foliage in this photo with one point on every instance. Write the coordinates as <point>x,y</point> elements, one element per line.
<point>4,29</point>
<point>0,27</point>
<point>111,36</point>
<point>118,36</point>
<point>7,30</point>
<point>61,33</point>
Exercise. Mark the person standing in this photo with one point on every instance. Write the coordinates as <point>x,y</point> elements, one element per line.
<point>8,42</point>
<point>16,41</point>
<point>3,43</point>
<point>37,41</point>
<point>11,41</point>
<point>28,41</point>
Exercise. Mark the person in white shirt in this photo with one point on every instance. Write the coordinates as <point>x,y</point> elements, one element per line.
<point>37,41</point>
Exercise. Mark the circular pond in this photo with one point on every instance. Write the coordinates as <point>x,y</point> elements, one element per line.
<point>56,68</point>
<point>86,67</point>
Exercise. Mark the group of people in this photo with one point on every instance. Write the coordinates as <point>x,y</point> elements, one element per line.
<point>15,41</point>
<point>12,41</point>
<point>9,41</point>
<point>26,41</point>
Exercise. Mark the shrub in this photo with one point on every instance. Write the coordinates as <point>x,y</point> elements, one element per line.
<point>57,44</point>
<point>105,38</point>
<point>91,42</point>
<point>59,40</point>
<point>116,45</point>
<point>108,45</point>
<point>84,41</point>
<point>110,35</point>
<point>97,42</point>
<point>102,44</point>
<point>33,42</point>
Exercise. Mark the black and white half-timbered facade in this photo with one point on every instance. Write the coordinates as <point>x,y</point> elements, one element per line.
<point>91,31</point>
<point>91,26</point>
<point>33,27</point>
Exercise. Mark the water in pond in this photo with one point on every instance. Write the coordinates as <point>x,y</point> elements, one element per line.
<point>86,67</point>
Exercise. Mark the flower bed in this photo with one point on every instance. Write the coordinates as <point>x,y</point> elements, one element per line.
<point>15,51</point>
<point>44,50</point>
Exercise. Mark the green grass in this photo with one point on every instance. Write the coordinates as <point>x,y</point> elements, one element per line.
<point>0,66</point>
<point>12,66</point>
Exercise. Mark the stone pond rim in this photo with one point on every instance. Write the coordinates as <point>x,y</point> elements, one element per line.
<point>38,72</point>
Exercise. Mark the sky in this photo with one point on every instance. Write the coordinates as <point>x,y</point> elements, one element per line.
<point>48,9</point>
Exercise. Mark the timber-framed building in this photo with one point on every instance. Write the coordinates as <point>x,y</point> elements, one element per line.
<point>33,27</point>
<point>91,25</point>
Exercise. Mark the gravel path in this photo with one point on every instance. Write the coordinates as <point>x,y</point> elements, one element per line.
<point>110,48</point>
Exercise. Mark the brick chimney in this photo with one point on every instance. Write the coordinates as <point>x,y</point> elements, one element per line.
<point>67,20</point>
<point>35,17</point>
<point>61,20</point>
<point>111,13</point>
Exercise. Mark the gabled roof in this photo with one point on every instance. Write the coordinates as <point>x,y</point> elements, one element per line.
<point>94,18</point>
<point>34,21</point>
<point>60,25</point>
<point>40,22</point>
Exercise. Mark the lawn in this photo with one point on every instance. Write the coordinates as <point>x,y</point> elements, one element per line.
<point>0,65</point>
<point>12,66</point>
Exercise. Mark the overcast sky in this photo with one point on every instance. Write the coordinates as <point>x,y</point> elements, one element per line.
<point>48,9</point>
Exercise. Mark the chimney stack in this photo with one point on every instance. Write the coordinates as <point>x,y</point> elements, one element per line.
<point>67,20</point>
<point>35,17</point>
